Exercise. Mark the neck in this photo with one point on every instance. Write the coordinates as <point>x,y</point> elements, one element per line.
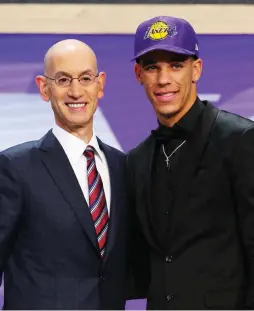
<point>84,133</point>
<point>172,120</point>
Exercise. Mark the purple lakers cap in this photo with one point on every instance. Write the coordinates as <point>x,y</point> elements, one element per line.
<point>166,33</point>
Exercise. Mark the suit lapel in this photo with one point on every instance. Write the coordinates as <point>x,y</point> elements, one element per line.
<point>58,166</point>
<point>189,161</point>
<point>144,211</point>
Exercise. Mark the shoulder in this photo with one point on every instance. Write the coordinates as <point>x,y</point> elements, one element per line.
<point>232,122</point>
<point>141,148</point>
<point>229,128</point>
<point>230,131</point>
<point>20,150</point>
<point>18,158</point>
<point>226,121</point>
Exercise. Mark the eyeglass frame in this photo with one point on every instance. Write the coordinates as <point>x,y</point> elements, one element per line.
<point>73,78</point>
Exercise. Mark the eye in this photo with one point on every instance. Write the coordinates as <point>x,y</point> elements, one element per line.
<point>177,65</point>
<point>150,68</point>
<point>63,81</point>
<point>86,78</point>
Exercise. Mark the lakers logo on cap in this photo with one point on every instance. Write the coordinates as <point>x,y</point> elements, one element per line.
<point>160,31</point>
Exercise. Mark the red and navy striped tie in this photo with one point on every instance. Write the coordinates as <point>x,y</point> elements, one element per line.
<point>97,200</point>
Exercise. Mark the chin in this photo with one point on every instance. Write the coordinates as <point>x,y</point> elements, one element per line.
<point>167,114</point>
<point>80,120</point>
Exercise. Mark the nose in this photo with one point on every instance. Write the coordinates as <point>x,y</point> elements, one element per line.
<point>76,90</point>
<point>164,77</point>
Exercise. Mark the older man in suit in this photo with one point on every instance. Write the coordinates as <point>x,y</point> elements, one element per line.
<point>63,205</point>
<point>191,182</point>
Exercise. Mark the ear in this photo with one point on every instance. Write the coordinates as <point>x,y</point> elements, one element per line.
<point>137,69</point>
<point>197,70</point>
<point>43,88</point>
<point>101,84</point>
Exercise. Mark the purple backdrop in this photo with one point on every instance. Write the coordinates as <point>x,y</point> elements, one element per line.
<point>227,76</point>
<point>227,79</point>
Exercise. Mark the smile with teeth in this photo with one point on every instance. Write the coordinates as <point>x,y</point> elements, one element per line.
<point>76,105</point>
<point>166,94</point>
<point>165,97</point>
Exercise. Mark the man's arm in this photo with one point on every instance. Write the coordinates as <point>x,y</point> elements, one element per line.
<point>138,280</point>
<point>242,169</point>
<point>10,208</point>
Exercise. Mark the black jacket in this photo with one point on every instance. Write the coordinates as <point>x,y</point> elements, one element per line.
<point>209,259</point>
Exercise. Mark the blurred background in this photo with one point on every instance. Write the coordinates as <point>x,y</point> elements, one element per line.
<point>124,118</point>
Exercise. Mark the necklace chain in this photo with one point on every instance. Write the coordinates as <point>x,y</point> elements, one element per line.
<point>171,154</point>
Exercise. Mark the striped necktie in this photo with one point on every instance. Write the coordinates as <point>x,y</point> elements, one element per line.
<point>97,200</point>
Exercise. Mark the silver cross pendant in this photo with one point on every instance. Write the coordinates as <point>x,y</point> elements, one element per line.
<point>167,163</point>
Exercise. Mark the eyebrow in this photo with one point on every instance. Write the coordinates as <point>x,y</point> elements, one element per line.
<point>64,73</point>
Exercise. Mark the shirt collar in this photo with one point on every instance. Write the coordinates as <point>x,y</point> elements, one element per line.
<point>184,127</point>
<point>73,146</point>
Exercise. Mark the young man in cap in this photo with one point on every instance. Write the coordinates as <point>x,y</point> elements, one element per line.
<point>191,183</point>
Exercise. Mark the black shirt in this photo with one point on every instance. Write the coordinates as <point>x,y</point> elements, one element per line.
<point>164,180</point>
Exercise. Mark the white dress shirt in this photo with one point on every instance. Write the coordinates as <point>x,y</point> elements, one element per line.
<point>74,148</point>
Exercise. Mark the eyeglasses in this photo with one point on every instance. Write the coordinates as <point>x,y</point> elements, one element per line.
<point>65,81</point>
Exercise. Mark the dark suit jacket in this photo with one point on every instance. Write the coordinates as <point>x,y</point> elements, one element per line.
<point>209,260</point>
<point>48,248</point>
